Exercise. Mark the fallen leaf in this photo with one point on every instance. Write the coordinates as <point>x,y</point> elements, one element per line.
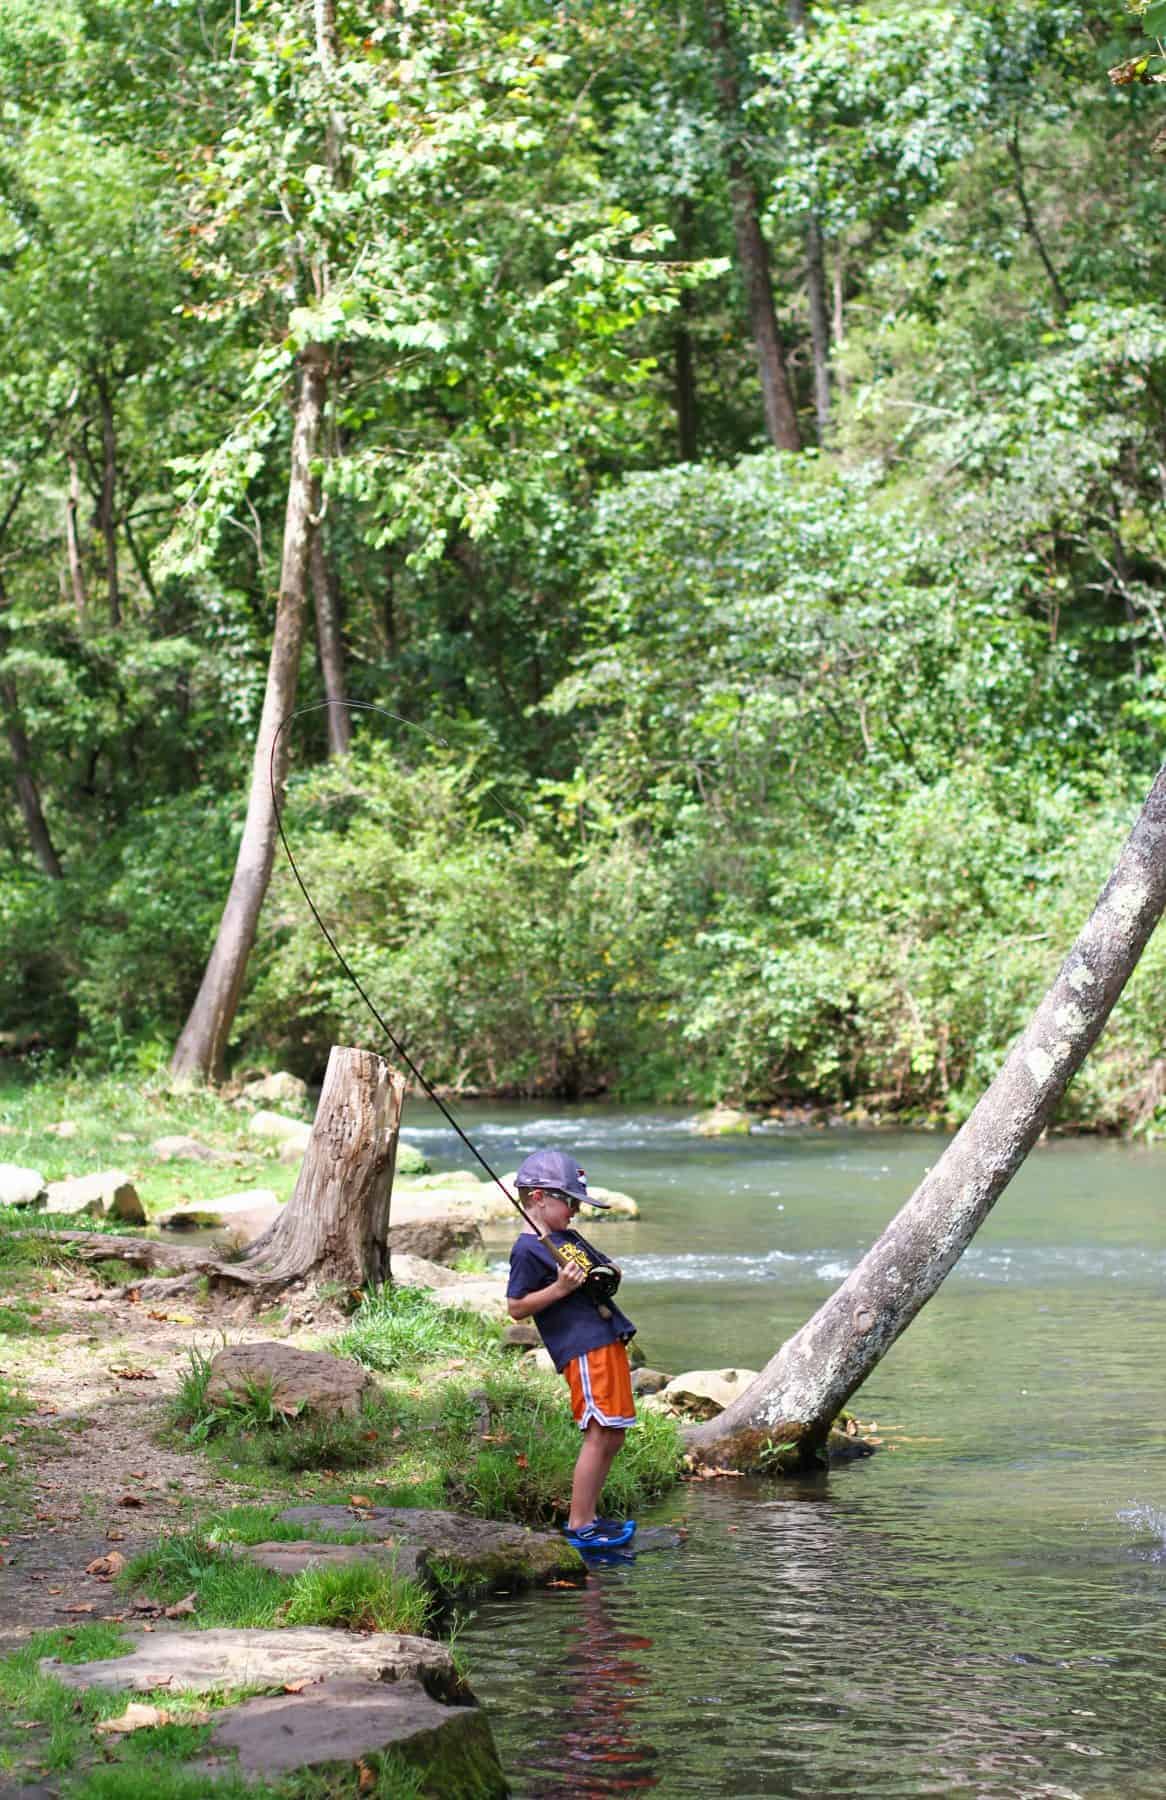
<point>47,1406</point>
<point>365,1778</point>
<point>79,1606</point>
<point>9,1437</point>
<point>130,1500</point>
<point>563,1584</point>
<point>136,1474</point>
<point>181,1609</point>
<point>158,1315</point>
<point>296,1687</point>
<point>147,1628</point>
<point>55,1590</point>
<point>113,1564</point>
<point>522,1462</point>
<point>359,1500</point>
<point>133,1295</point>
<point>114,1536</point>
<point>134,1374</point>
<point>136,1717</point>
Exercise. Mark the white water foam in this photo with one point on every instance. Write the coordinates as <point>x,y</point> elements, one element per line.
<point>1147,1521</point>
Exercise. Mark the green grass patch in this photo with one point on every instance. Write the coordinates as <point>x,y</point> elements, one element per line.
<point>231,1591</point>
<point>251,1432</point>
<point>395,1329</point>
<point>26,1318</point>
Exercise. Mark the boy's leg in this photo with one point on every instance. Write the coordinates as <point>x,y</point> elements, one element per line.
<point>599,1449</point>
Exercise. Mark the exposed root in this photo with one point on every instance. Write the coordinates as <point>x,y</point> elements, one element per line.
<point>139,1253</point>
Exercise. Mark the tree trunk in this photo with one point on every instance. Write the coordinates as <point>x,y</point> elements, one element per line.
<point>73,542</point>
<point>23,777</point>
<point>816,282</point>
<point>1060,298</point>
<point>335,1227</point>
<point>800,1391</point>
<point>199,1053</point>
<point>107,504</point>
<point>330,643</point>
<point>781,421</point>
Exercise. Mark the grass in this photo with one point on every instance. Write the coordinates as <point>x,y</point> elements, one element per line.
<point>231,1591</point>
<point>397,1329</point>
<point>117,1120</point>
<point>252,1433</point>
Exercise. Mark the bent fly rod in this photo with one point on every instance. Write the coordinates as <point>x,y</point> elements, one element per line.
<point>602,1279</point>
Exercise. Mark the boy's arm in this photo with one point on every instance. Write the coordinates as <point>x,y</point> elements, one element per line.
<point>569,1277</point>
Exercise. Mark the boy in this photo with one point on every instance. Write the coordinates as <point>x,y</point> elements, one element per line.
<point>587,1347</point>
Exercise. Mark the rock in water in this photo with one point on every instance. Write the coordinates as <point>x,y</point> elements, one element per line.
<point>299,1380</point>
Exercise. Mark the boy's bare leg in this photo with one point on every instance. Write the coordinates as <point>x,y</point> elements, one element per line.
<point>600,1447</point>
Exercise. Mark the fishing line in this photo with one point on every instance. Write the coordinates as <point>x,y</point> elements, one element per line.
<point>399,1048</point>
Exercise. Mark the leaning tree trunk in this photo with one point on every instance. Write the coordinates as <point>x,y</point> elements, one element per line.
<point>198,1055</point>
<point>800,1391</point>
<point>335,1227</point>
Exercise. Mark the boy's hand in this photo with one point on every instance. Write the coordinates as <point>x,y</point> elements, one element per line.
<point>570,1277</point>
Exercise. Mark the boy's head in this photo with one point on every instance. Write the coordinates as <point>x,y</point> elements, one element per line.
<point>552,1175</point>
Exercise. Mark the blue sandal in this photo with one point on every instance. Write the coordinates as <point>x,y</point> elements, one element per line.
<point>601,1534</point>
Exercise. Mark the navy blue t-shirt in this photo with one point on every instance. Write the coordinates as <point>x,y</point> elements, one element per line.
<point>573,1324</point>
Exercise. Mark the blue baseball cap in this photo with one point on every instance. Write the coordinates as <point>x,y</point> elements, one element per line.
<point>556,1170</point>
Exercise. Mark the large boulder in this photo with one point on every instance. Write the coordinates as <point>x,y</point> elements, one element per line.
<point>723,1121</point>
<point>280,1089</point>
<point>109,1194</point>
<point>438,1240</point>
<point>703,1393</point>
<point>341,1721</point>
<point>22,1187</point>
<point>299,1380</point>
<point>277,1128</point>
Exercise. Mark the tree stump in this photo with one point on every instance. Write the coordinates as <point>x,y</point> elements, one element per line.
<point>335,1227</point>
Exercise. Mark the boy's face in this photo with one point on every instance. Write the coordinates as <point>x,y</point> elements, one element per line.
<point>557,1210</point>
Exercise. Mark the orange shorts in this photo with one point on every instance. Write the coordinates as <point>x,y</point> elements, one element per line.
<point>601,1387</point>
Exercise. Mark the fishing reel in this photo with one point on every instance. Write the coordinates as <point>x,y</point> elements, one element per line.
<point>601,1284</point>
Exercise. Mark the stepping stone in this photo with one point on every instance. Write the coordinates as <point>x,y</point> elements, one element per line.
<point>489,1556</point>
<point>341,1721</point>
<point>288,1559</point>
<point>203,1661</point>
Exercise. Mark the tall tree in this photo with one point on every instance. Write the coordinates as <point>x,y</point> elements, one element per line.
<point>781,419</point>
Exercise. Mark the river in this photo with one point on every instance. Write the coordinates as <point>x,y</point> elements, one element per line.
<point>981,1606</point>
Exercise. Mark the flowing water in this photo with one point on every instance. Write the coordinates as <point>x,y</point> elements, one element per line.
<point>980,1607</point>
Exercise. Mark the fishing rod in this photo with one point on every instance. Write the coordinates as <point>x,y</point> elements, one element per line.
<point>602,1279</point>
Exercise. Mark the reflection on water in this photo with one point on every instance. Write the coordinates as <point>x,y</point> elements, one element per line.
<point>981,1608</point>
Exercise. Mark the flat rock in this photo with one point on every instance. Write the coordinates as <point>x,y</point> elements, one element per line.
<point>185,1149</point>
<point>292,1558</point>
<point>202,1661</point>
<point>437,1240</point>
<point>343,1720</point>
<point>278,1128</point>
<point>454,1178</point>
<point>111,1193</point>
<point>241,1218</point>
<point>299,1380</point>
<point>22,1187</point>
<point>281,1089</point>
<point>415,1271</point>
<point>521,1335</point>
<point>487,1554</point>
<point>484,1294</point>
<point>703,1393</point>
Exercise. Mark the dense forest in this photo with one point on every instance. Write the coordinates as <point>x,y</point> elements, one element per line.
<point>726,442</point>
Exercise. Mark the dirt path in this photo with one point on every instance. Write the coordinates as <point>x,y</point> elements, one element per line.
<point>97,1374</point>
